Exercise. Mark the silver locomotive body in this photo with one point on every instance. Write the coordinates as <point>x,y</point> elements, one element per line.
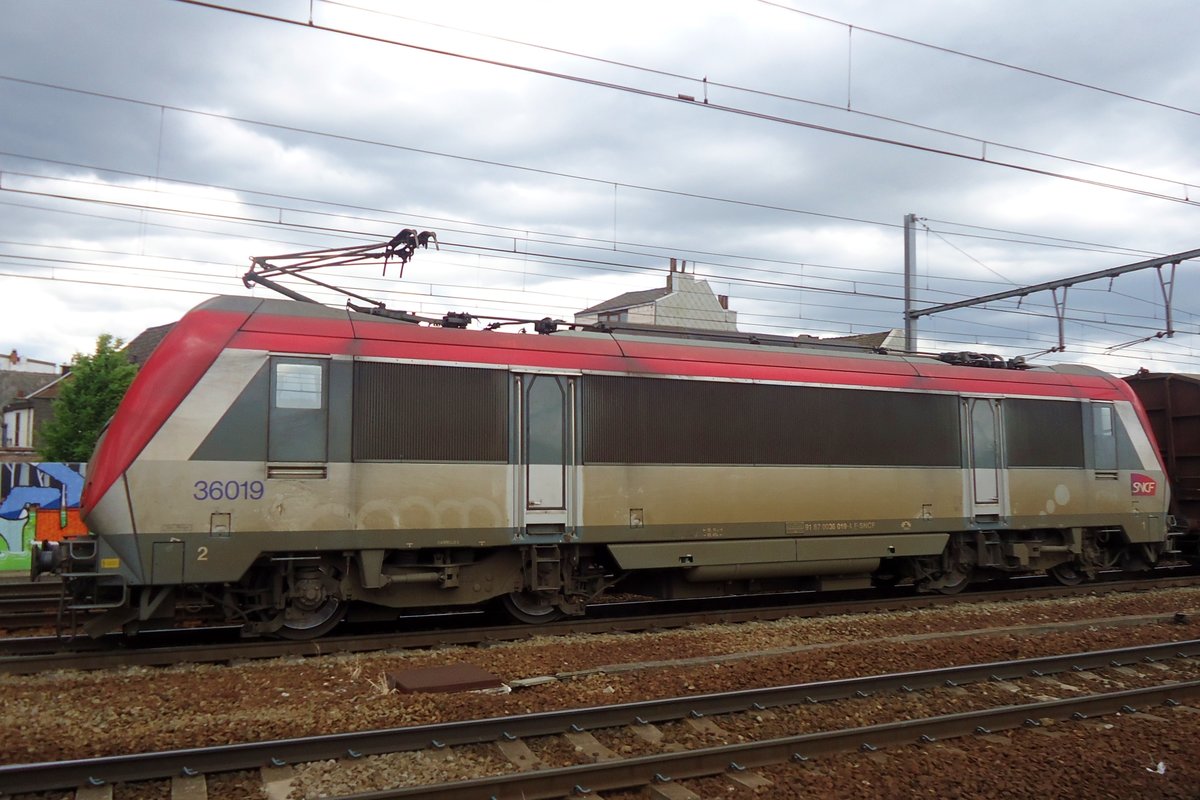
<point>275,461</point>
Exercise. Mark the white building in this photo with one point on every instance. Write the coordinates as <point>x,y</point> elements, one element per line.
<point>683,303</point>
<point>14,362</point>
<point>24,414</point>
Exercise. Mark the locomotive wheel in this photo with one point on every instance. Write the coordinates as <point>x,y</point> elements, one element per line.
<point>955,582</point>
<point>1066,574</point>
<point>311,604</point>
<point>530,608</point>
<point>309,624</point>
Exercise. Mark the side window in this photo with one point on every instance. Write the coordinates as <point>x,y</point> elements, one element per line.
<point>299,412</point>
<point>1104,437</point>
<point>299,385</point>
<point>545,431</point>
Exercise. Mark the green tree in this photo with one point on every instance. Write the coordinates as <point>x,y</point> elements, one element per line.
<point>86,401</point>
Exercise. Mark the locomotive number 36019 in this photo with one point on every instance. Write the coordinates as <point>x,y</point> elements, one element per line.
<point>228,490</point>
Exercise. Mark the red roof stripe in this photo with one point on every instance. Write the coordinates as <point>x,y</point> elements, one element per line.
<point>652,358</point>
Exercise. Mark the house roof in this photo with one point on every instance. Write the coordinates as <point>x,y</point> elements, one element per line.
<point>18,388</point>
<point>628,300</point>
<point>142,345</point>
<point>872,340</point>
<point>50,390</point>
<point>18,385</point>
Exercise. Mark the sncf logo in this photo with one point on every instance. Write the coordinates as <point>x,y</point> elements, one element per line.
<point>1143,484</point>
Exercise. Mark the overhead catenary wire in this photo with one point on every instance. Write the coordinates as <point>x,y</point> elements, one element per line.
<point>790,287</point>
<point>947,339</point>
<point>1083,346</point>
<point>715,107</point>
<point>442,154</point>
<point>985,60</point>
<point>561,259</point>
<point>1035,239</point>
<point>844,327</point>
<point>411,290</point>
<point>143,208</point>
<point>706,81</point>
<point>158,191</point>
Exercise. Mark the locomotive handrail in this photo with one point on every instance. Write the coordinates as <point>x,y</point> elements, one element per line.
<point>124,582</point>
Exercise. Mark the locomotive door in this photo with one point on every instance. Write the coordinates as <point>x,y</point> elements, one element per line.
<point>986,490</point>
<point>546,458</point>
<point>298,420</point>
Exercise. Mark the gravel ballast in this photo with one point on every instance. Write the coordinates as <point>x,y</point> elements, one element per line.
<point>77,715</point>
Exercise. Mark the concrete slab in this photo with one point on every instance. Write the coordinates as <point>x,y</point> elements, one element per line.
<point>647,733</point>
<point>591,747</point>
<point>670,791</point>
<point>1130,671</point>
<point>519,753</point>
<point>525,683</point>
<point>104,792</point>
<point>750,779</point>
<point>706,725</point>
<point>193,787</point>
<point>277,782</point>
<point>448,678</point>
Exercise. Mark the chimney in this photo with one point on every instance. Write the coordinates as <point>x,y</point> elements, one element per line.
<point>723,299</point>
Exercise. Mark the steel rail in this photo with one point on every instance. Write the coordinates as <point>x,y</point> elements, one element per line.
<point>666,767</point>
<point>23,656</point>
<point>48,776</point>
<point>27,618</point>
<point>25,604</point>
<point>27,590</point>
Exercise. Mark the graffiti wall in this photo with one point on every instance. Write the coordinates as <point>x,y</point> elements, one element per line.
<point>38,500</point>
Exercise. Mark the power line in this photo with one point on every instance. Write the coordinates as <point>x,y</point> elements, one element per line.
<point>799,322</point>
<point>408,290</point>
<point>793,323</point>
<point>1066,243</point>
<point>741,258</point>
<point>707,82</point>
<point>494,251</point>
<point>985,60</point>
<point>982,158</point>
<point>454,156</point>
<point>573,261</point>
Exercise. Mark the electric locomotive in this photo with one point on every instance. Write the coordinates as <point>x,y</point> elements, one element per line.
<point>276,461</point>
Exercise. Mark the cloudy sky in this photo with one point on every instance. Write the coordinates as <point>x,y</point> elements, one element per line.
<point>149,148</point>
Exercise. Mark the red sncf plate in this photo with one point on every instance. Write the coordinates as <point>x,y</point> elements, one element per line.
<point>1142,485</point>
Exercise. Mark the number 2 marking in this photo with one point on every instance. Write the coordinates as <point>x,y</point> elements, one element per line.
<point>202,553</point>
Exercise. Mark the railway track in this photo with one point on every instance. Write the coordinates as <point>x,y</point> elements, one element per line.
<point>28,655</point>
<point>996,696</point>
<point>25,605</point>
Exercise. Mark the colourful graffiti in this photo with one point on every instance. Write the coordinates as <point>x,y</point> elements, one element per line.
<point>38,500</point>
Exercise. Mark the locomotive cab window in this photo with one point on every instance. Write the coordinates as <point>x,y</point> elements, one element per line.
<point>1112,448</point>
<point>298,385</point>
<point>1104,437</point>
